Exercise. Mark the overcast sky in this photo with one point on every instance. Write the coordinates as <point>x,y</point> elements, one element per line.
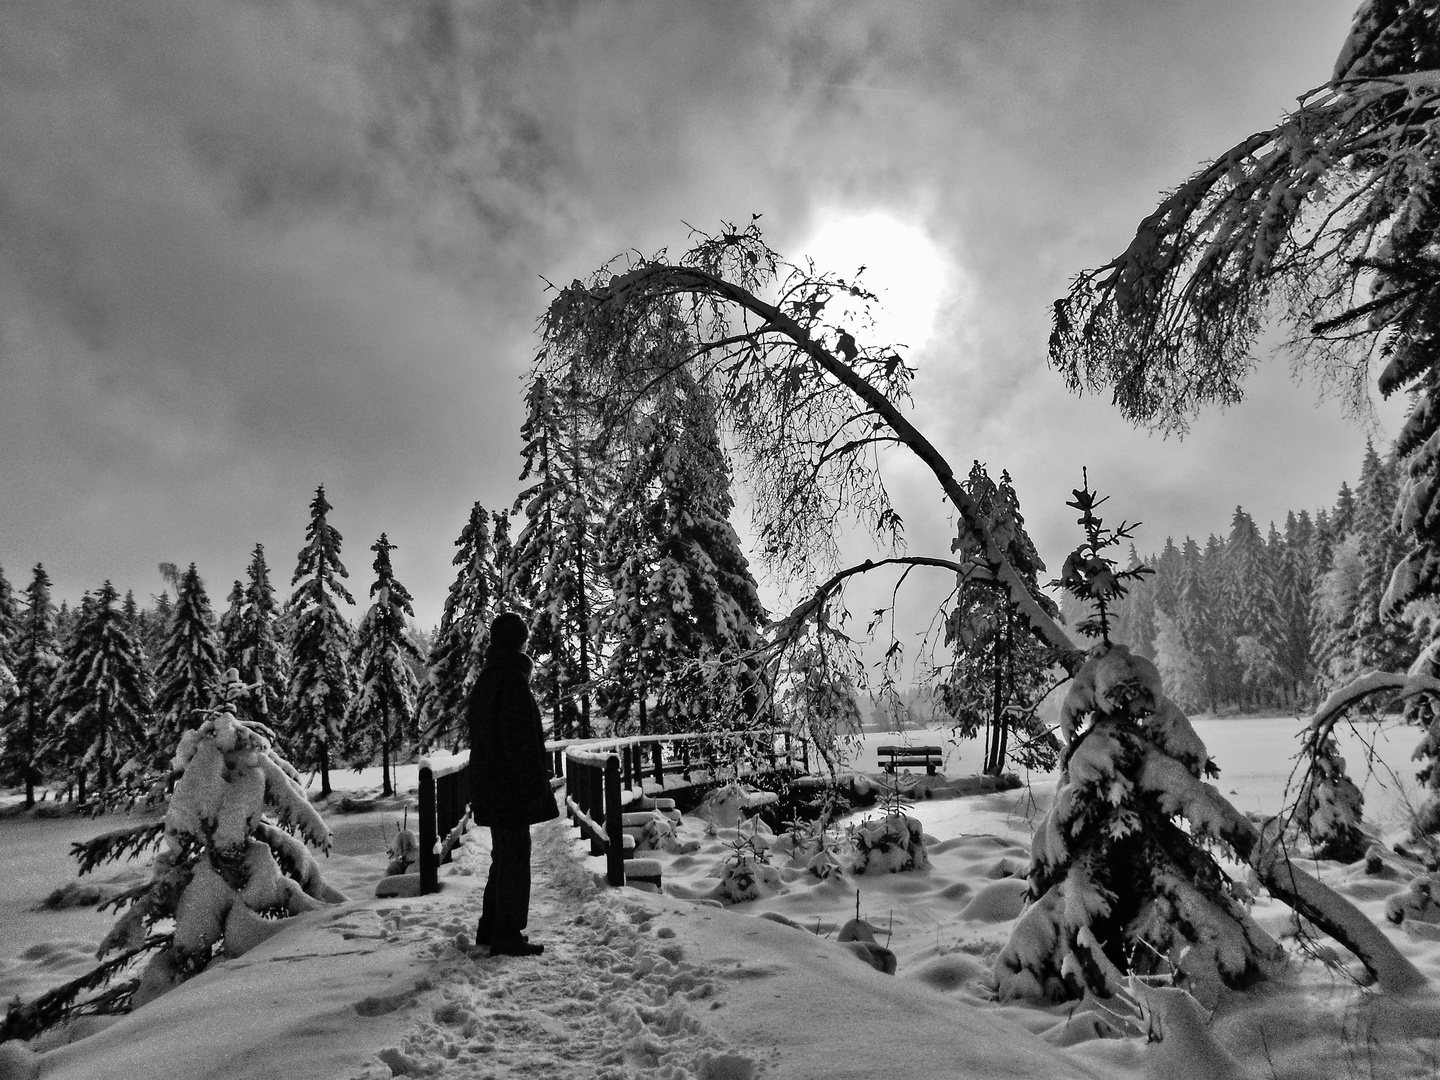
<point>254,246</point>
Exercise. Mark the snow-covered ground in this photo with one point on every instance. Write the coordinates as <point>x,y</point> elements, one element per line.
<point>675,984</point>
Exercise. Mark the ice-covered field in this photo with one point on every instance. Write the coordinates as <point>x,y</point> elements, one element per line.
<point>676,985</point>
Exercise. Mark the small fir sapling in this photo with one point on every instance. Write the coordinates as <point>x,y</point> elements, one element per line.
<point>812,843</point>
<point>403,849</point>
<point>747,867</point>
<point>232,867</point>
<point>1117,885</point>
<point>892,842</point>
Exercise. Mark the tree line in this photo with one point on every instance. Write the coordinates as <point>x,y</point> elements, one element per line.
<point>641,606</point>
<point>1253,621</point>
<point>94,699</point>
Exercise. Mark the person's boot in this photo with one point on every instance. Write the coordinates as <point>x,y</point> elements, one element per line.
<point>482,932</point>
<point>514,946</point>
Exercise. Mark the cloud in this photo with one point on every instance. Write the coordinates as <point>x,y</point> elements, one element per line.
<point>246,248</point>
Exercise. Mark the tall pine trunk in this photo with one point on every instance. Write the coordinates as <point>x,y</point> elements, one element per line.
<point>583,626</point>
<point>385,786</point>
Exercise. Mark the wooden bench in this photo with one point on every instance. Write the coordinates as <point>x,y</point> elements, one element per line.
<point>910,757</point>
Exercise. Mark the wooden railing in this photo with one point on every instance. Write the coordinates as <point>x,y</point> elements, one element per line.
<point>601,777</point>
<point>594,803</point>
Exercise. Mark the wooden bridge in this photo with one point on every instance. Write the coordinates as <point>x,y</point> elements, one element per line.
<point>606,778</point>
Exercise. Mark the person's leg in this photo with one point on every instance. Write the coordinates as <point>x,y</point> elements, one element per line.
<point>485,929</point>
<point>511,874</point>
<point>512,880</point>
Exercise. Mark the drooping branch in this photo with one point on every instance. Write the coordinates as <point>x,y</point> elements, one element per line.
<point>583,316</point>
<point>1299,211</point>
<point>1406,685</point>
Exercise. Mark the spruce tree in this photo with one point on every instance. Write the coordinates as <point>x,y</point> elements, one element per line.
<point>1329,807</point>
<point>553,564</point>
<point>1336,596</point>
<point>101,700</point>
<point>1121,878</point>
<point>1248,599</point>
<point>1381,640</point>
<point>1139,627</point>
<point>1197,621</point>
<point>230,866</point>
<point>998,669</point>
<point>382,713</point>
<point>1168,566</point>
<point>459,647</point>
<point>1294,634</point>
<point>37,658</point>
<point>155,625</point>
<point>188,671</point>
<point>229,624</point>
<point>686,612</point>
<point>250,637</point>
<point>9,627</point>
<point>1342,518</point>
<point>321,640</point>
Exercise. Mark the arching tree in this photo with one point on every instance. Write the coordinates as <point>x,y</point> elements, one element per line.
<point>37,658</point>
<point>322,682</point>
<point>188,670</point>
<point>1326,221</point>
<point>807,408</point>
<point>382,712</point>
<point>100,700</point>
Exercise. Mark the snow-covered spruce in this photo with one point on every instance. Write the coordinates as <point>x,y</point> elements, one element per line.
<point>459,650</point>
<point>1419,688</point>
<point>188,671</point>
<point>381,717</point>
<point>1328,807</point>
<point>888,844</point>
<point>233,863</point>
<point>37,658</point>
<point>100,702</point>
<point>1116,884</point>
<point>321,681</point>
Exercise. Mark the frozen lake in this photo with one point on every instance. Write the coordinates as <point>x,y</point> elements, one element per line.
<point>1256,755</point>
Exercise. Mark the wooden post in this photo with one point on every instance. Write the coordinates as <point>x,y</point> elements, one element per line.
<point>614,825</point>
<point>656,759</point>
<point>429,861</point>
<point>596,809</point>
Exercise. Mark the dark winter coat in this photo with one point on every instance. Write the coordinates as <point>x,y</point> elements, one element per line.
<point>509,772</point>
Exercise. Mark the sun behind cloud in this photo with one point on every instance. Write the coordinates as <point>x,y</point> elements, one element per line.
<point>910,273</point>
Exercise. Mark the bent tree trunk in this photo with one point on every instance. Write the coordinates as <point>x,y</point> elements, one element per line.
<point>1332,913</point>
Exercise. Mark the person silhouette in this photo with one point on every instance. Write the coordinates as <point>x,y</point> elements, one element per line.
<point>509,783</point>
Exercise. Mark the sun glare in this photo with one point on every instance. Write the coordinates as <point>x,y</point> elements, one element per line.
<point>903,266</point>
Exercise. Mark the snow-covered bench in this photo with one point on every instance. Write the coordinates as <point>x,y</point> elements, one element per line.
<point>911,757</point>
